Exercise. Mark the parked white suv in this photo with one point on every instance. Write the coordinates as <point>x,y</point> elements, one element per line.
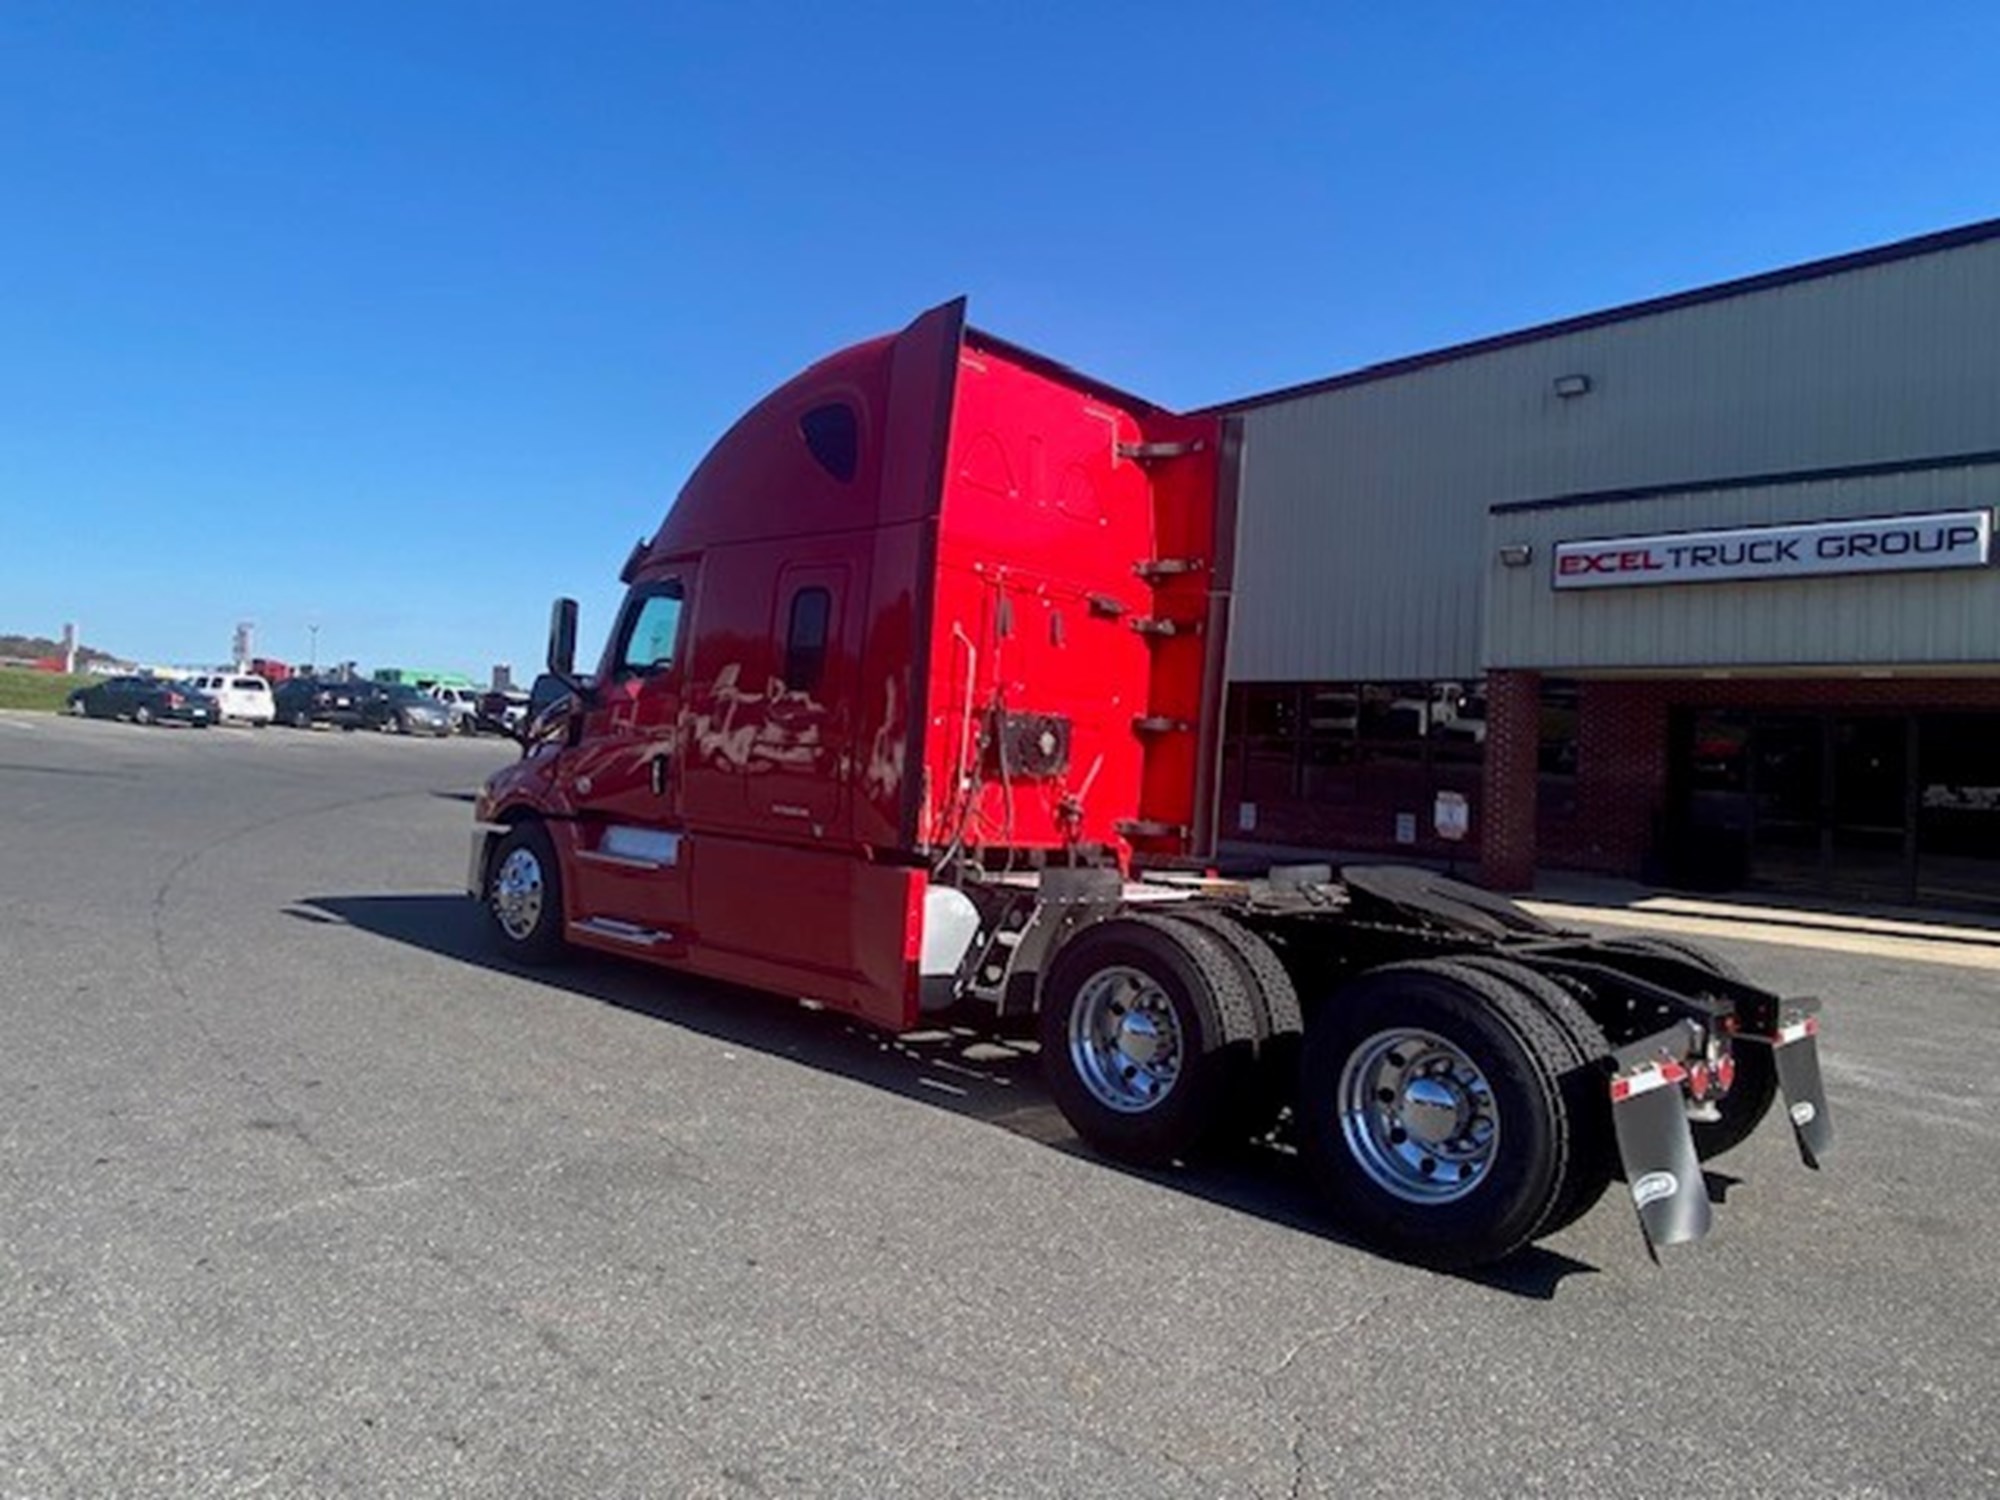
<point>464,706</point>
<point>242,697</point>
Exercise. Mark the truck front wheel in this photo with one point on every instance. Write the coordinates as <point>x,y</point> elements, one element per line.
<point>1433,1114</point>
<point>1147,1035</point>
<point>524,895</point>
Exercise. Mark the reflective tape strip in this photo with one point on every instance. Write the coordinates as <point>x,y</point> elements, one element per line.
<point>1797,1031</point>
<point>1652,1076</point>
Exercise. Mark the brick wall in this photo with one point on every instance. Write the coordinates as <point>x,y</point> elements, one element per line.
<point>1513,734</point>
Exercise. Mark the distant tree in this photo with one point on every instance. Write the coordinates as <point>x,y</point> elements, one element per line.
<point>36,647</point>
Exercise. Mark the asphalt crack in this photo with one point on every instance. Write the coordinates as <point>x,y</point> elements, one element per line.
<point>1289,1421</point>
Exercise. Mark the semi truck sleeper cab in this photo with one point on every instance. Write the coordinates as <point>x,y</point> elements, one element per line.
<point>914,701</point>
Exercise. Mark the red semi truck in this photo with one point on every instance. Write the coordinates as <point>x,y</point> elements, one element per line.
<point>914,702</point>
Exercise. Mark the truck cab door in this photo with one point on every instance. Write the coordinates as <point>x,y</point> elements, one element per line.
<point>628,871</point>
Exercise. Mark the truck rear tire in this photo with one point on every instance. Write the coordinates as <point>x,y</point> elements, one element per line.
<point>1280,1028</point>
<point>523,889</point>
<point>1271,987</point>
<point>1148,1034</point>
<point>1433,1112</point>
<point>1593,1163</point>
<point>1750,1097</point>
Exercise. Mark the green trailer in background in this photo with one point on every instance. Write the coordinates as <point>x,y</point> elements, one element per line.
<point>423,679</point>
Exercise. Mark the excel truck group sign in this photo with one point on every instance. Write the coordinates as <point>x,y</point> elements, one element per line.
<point>1882,544</point>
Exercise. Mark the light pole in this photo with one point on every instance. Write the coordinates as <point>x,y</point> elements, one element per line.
<point>312,665</point>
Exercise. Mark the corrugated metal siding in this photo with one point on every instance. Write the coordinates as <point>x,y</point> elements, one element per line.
<point>1882,619</point>
<point>1359,553</point>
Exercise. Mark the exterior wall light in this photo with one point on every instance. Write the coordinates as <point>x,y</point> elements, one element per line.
<point>1517,554</point>
<point>1569,386</point>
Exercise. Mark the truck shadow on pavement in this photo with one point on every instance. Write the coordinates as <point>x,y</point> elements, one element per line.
<point>967,1064</point>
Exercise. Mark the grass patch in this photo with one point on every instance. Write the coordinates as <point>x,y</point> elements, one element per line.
<point>46,691</point>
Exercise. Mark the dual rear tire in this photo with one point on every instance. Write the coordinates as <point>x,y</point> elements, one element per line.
<point>1446,1110</point>
<point>1149,1036</point>
<point>1449,1112</point>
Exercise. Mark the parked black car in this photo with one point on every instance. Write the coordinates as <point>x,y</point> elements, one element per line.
<point>144,700</point>
<point>305,701</point>
<point>400,707</point>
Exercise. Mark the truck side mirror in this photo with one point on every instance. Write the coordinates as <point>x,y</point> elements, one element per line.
<point>562,639</point>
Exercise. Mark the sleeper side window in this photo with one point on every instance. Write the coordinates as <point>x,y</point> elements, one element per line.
<point>833,435</point>
<point>805,640</point>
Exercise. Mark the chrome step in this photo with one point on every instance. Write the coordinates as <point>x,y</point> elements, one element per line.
<point>624,932</point>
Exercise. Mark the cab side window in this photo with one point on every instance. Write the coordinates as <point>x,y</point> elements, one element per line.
<point>652,630</point>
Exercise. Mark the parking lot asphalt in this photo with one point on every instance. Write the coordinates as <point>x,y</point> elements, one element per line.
<point>301,1191</point>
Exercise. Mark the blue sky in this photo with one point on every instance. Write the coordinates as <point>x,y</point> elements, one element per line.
<point>400,319</point>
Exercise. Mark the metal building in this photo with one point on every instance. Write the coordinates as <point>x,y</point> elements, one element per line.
<point>1698,588</point>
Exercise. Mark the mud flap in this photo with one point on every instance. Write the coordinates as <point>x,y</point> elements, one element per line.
<point>1655,1146</point>
<point>1795,1050</point>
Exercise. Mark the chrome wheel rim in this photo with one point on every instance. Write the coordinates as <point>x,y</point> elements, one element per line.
<point>1418,1116</point>
<point>1125,1040</point>
<point>517,894</point>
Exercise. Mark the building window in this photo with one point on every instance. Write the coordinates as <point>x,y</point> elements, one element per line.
<point>1458,722</point>
<point>1363,748</point>
<point>1395,720</point>
<point>1271,742</point>
<point>1556,748</point>
<point>1333,721</point>
<point>1556,741</point>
